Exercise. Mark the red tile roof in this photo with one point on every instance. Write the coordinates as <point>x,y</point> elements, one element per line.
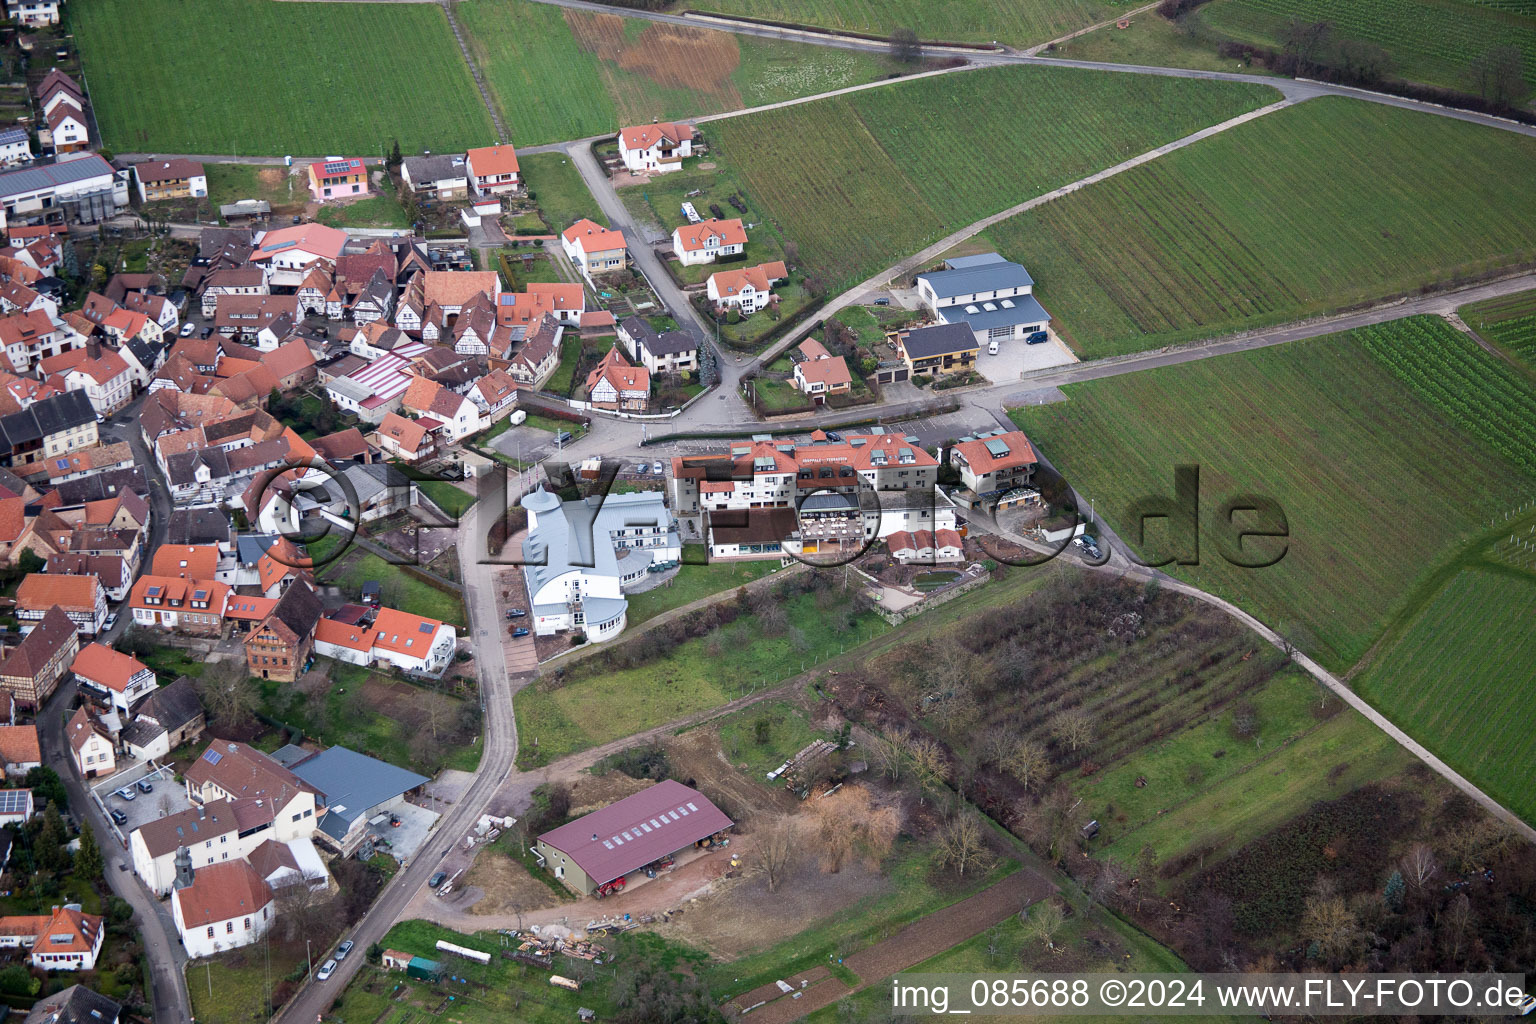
<point>696,236</point>
<point>647,135</point>
<point>99,663</point>
<point>18,744</point>
<point>981,460</point>
<point>225,891</point>
<point>489,160</point>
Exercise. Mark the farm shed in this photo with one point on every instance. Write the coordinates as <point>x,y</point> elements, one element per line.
<point>626,836</point>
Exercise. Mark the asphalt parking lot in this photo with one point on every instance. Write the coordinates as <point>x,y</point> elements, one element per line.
<point>166,798</point>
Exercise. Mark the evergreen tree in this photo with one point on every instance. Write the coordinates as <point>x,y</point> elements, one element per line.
<point>1393,894</point>
<point>88,863</point>
<point>48,849</point>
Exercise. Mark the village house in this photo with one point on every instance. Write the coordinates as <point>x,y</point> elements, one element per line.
<point>17,807</point>
<point>224,907</point>
<point>48,428</point>
<point>279,646</point>
<point>90,745</point>
<point>455,416</point>
<point>181,605</point>
<point>244,316</point>
<point>991,465</point>
<point>617,386</point>
<point>169,717</point>
<point>495,394</point>
<point>709,240</point>
<point>288,253</point>
<point>594,249</point>
<point>74,1005</point>
<point>436,177</point>
<point>66,940</point>
<point>81,597</point>
<point>926,547</point>
<point>337,178</point>
<point>655,148</point>
<point>992,297</point>
<point>32,336</point>
<point>30,671</point>
<point>408,642</point>
<point>33,13</point>
<point>748,534</point>
<point>170,179</point>
<point>18,748</point>
<point>250,280</point>
<point>493,170</point>
<point>111,678</point>
<point>666,352</point>
<point>748,289</point>
<point>406,439</point>
<point>238,772</point>
<point>535,361</point>
<point>67,131</point>
<point>820,374</point>
<point>940,349</point>
<point>451,290</point>
<point>107,380</point>
<point>15,147</point>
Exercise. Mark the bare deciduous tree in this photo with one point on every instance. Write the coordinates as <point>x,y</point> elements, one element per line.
<point>962,842</point>
<point>849,824</point>
<point>778,847</point>
<point>1027,763</point>
<point>1418,865</point>
<point>929,766</point>
<point>1330,923</point>
<point>889,752</point>
<point>1042,921</point>
<point>1074,727</point>
<point>226,691</point>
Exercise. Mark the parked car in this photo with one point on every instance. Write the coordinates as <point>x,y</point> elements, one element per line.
<point>188,329</point>
<point>145,786</point>
<point>882,301</point>
<point>127,793</point>
<point>118,816</point>
<point>833,435</point>
<point>343,949</point>
<point>207,330</point>
<point>326,970</point>
<point>1036,338</point>
<point>519,632</point>
<point>516,613</point>
<point>562,436</point>
<point>109,621</point>
<point>657,468</point>
<point>437,880</point>
<point>992,347</point>
<point>642,468</point>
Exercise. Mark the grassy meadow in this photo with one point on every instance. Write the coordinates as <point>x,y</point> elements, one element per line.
<point>558,75</point>
<point>861,180</point>
<point>1356,459</point>
<point>1432,41</point>
<point>258,77</point>
<point>562,196</point>
<point>1461,679</point>
<point>1305,211</point>
<point>1018,22</point>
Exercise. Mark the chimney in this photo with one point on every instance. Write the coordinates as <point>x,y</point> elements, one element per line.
<point>183,867</point>
<point>199,812</point>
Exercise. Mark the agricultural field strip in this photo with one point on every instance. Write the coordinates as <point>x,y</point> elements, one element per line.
<point>932,252</point>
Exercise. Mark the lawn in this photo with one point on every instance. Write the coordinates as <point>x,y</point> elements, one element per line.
<point>418,596</point>
<point>1431,41</point>
<point>1305,211</point>
<point>449,497</point>
<point>553,425</point>
<point>564,377</point>
<point>376,716</point>
<point>858,181</point>
<point>1020,22</point>
<point>692,583</point>
<point>567,75</point>
<point>233,988</point>
<point>1509,323</point>
<point>1356,460</point>
<point>777,396</point>
<point>597,706</point>
<point>762,738</point>
<point>380,211</point>
<point>1151,39</point>
<point>1462,680</point>
<point>557,187</point>
<point>254,76</point>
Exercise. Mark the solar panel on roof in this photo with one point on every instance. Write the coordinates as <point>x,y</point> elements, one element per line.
<point>199,595</point>
<point>63,463</point>
<point>13,801</point>
<point>426,627</point>
<point>154,591</point>
<point>212,756</point>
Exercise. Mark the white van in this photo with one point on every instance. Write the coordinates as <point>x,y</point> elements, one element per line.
<point>992,347</point>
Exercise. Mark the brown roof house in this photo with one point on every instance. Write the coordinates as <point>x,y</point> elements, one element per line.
<point>31,670</point>
<point>90,745</point>
<point>280,645</point>
<point>82,598</point>
<point>19,749</point>
<point>169,717</point>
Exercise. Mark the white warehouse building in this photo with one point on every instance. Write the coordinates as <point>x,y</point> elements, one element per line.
<point>991,295</point>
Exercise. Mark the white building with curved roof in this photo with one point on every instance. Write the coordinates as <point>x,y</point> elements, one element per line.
<point>581,557</point>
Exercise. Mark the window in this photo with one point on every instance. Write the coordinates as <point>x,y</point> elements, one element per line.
<point>223,839</point>
<point>210,931</point>
<point>247,924</point>
<point>229,927</point>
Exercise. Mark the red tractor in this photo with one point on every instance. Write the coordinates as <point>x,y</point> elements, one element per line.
<point>609,888</point>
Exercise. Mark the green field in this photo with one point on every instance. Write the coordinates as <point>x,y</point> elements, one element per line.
<point>381,211</point>
<point>1305,211</point>
<point>1020,22</point>
<point>418,597</point>
<point>1360,464</point>
<point>1462,680</point>
<point>262,77</point>
<point>558,189</point>
<point>692,583</point>
<point>599,706</point>
<point>448,496</point>
<point>566,75</point>
<point>859,181</point>
<point>1152,39</point>
<point>1432,41</point>
<point>1509,323</point>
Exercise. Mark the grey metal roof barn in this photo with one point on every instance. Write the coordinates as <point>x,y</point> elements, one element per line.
<point>967,275</point>
<point>353,785</point>
<point>45,176</point>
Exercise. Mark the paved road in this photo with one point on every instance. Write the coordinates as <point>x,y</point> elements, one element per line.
<point>500,739</point>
